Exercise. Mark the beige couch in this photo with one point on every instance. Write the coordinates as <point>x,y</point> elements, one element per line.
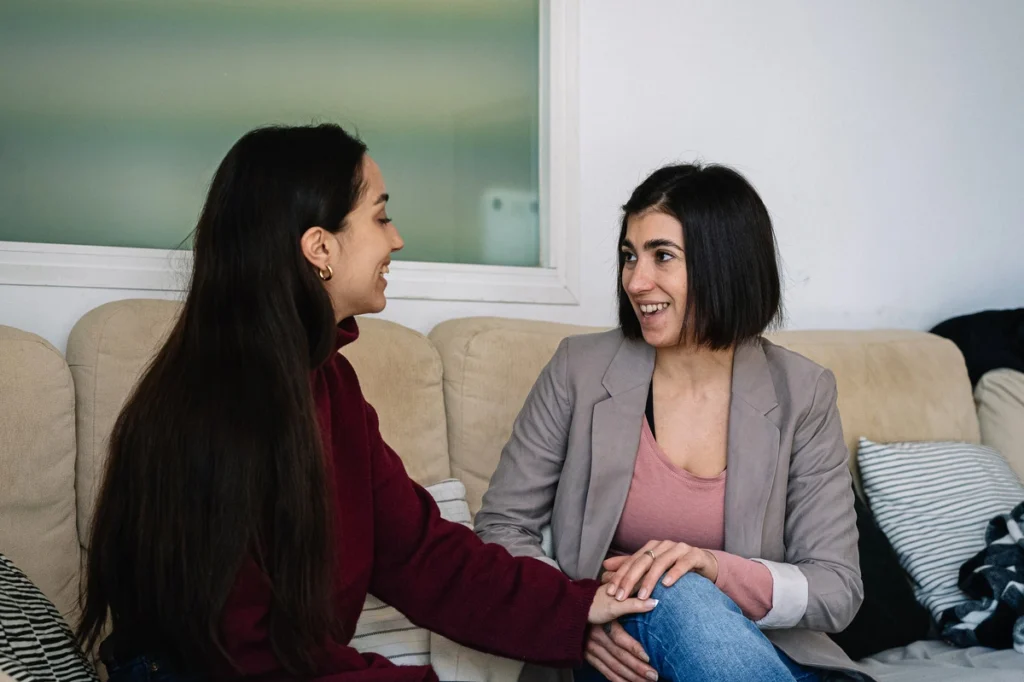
<point>446,403</point>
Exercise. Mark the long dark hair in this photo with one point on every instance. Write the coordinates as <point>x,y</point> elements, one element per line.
<point>217,456</point>
<point>734,292</point>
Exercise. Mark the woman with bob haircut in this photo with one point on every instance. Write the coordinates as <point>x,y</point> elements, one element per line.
<point>683,456</point>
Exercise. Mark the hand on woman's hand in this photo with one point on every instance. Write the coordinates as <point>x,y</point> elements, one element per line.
<point>617,656</point>
<point>606,608</point>
<point>670,559</point>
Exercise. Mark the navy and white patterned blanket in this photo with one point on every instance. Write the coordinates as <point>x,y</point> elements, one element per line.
<point>994,579</point>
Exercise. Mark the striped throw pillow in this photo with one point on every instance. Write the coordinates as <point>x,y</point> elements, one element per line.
<point>933,501</point>
<point>382,629</point>
<point>36,644</point>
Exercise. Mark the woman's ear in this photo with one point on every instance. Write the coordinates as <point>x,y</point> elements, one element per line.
<point>316,247</point>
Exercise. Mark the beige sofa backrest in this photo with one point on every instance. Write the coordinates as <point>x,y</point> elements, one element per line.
<point>37,466</point>
<point>999,397</point>
<point>107,351</point>
<point>893,385</point>
<point>490,365</point>
<point>110,347</point>
<point>400,374</point>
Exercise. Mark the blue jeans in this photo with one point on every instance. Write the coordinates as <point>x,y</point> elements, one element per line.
<point>145,669</point>
<point>131,667</point>
<point>698,633</point>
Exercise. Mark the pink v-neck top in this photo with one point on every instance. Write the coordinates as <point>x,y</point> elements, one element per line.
<point>666,502</point>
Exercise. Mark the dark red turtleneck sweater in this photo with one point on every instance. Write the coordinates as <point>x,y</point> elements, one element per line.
<point>393,543</point>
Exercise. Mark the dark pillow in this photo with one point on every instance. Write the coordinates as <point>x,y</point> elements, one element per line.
<point>990,339</point>
<point>890,615</point>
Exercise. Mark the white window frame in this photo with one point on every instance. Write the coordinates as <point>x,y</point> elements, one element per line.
<point>556,283</point>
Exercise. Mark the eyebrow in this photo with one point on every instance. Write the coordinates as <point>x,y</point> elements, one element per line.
<point>652,244</point>
<point>382,199</point>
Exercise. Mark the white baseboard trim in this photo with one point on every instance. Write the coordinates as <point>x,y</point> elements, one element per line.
<point>104,267</point>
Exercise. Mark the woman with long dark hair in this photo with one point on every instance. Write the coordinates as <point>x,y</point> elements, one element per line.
<point>249,503</point>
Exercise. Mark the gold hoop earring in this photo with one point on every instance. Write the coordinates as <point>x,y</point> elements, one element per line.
<point>330,273</point>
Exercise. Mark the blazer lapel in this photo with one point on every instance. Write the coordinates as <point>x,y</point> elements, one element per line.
<point>615,436</point>
<point>753,450</point>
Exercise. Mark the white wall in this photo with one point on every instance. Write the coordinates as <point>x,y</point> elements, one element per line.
<point>51,312</point>
<point>884,135</point>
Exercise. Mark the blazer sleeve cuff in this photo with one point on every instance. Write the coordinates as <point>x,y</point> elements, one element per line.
<point>789,596</point>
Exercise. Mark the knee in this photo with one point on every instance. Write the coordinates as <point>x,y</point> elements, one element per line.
<point>694,610</point>
<point>698,625</point>
<point>695,595</point>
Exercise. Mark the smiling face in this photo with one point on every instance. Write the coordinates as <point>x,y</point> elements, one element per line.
<point>654,275</point>
<point>699,264</point>
<point>367,242</point>
<point>359,254</point>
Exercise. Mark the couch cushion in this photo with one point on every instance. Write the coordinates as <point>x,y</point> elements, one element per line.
<point>934,501</point>
<point>893,385</point>
<point>37,466</point>
<point>109,348</point>
<point>999,397</point>
<point>490,365</point>
<point>400,373</point>
<point>935,661</point>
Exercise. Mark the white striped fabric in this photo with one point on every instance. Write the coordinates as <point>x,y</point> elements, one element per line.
<point>933,501</point>
<point>36,644</point>
<point>450,496</point>
<point>382,629</point>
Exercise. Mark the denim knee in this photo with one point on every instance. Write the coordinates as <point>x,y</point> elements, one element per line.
<point>696,596</point>
<point>700,628</point>
<point>693,607</point>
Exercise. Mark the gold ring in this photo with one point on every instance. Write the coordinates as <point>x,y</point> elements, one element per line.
<point>650,552</point>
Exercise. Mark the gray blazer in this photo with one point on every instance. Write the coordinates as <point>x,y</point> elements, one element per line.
<point>788,496</point>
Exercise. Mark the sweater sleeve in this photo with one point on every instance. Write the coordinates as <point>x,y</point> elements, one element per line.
<point>746,582</point>
<point>443,577</point>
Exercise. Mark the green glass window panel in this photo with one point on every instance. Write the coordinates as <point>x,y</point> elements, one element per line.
<point>115,113</point>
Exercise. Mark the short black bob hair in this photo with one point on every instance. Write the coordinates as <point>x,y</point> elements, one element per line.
<point>734,291</point>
